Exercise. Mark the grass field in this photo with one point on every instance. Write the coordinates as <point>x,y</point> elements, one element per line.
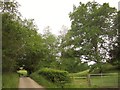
<point>105,81</point>
<point>110,81</point>
<point>77,83</point>
<point>10,80</point>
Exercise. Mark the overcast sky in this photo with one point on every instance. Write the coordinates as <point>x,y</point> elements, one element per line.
<point>53,13</point>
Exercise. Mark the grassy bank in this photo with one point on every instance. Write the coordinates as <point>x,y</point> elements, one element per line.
<point>42,81</point>
<point>10,80</point>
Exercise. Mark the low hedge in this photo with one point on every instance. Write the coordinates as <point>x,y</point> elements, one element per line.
<point>55,76</point>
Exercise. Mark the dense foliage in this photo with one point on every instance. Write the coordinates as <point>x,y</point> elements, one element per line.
<point>22,44</point>
<point>92,34</point>
<point>55,76</point>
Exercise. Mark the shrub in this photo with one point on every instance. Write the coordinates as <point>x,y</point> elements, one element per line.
<point>22,72</point>
<point>55,76</point>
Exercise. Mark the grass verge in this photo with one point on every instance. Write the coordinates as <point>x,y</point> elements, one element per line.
<point>42,81</point>
<point>10,80</point>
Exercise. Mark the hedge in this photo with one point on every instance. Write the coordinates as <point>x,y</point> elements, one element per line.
<point>55,76</point>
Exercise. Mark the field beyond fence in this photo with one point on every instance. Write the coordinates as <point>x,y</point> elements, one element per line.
<point>103,80</point>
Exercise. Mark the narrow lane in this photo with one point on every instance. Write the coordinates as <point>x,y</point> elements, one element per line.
<point>26,82</point>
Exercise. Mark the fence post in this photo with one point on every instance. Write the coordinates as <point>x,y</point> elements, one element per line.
<point>101,79</point>
<point>89,81</point>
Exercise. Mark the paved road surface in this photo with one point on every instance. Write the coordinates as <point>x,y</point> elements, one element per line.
<point>26,82</point>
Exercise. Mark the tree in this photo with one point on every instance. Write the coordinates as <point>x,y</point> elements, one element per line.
<point>115,52</point>
<point>92,32</point>
<point>67,61</point>
<point>10,28</point>
<point>50,43</point>
<point>22,45</point>
<point>33,47</point>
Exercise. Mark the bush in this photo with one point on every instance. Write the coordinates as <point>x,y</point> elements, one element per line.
<point>22,72</point>
<point>55,76</point>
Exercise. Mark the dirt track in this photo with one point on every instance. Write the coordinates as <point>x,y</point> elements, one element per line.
<point>26,82</point>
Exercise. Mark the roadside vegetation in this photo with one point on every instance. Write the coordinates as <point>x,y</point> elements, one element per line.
<point>10,80</point>
<point>79,80</point>
<point>57,78</point>
<point>42,80</point>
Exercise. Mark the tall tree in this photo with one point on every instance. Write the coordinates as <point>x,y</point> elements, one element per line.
<point>22,45</point>
<point>10,28</point>
<point>67,61</point>
<point>92,32</point>
<point>50,54</point>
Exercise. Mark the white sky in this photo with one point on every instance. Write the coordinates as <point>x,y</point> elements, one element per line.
<point>53,13</point>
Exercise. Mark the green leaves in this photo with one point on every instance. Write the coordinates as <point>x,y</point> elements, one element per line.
<point>55,76</point>
<point>92,30</point>
<point>21,43</point>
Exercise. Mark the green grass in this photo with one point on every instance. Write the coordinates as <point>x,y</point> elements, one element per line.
<point>77,83</point>
<point>110,81</point>
<point>10,80</point>
<point>105,81</point>
<point>79,80</point>
<point>42,81</point>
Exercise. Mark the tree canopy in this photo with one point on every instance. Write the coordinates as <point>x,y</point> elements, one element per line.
<point>92,33</point>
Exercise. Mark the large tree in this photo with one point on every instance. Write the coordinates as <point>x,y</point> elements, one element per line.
<point>50,42</point>
<point>22,45</point>
<point>10,28</point>
<point>67,59</point>
<point>92,33</point>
